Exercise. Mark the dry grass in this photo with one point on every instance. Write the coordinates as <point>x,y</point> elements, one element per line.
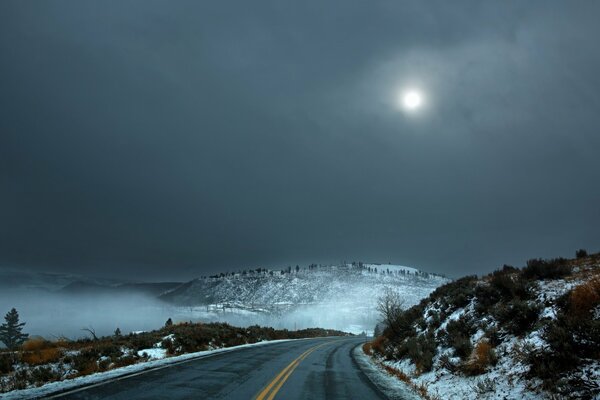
<point>36,344</point>
<point>38,351</point>
<point>420,389</point>
<point>367,348</point>
<point>482,357</point>
<point>585,297</point>
<point>378,344</point>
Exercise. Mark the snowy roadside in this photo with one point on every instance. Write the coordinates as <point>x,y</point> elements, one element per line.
<point>389,385</point>
<point>120,373</point>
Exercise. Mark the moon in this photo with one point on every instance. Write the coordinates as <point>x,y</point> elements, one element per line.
<point>411,100</point>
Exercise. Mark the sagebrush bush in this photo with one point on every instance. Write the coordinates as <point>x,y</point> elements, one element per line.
<point>462,346</point>
<point>40,375</point>
<point>421,350</point>
<point>517,316</point>
<point>6,363</point>
<point>538,268</point>
<point>455,294</point>
<point>581,253</point>
<point>461,327</point>
<point>572,337</point>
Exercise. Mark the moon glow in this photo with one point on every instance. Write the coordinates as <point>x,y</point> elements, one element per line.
<point>411,100</point>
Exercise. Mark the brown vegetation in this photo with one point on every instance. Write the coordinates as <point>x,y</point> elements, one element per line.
<point>38,351</point>
<point>87,356</point>
<point>482,357</point>
<point>585,297</point>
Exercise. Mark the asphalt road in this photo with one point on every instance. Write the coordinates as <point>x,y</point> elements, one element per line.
<point>301,369</point>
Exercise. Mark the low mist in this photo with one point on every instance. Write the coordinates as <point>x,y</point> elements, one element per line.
<point>53,315</point>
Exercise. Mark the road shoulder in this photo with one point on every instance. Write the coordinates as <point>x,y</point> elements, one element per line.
<point>100,378</point>
<point>391,387</point>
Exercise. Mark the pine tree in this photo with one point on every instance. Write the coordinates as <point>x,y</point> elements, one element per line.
<point>10,331</point>
<point>118,332</point>
<point>169,323</point>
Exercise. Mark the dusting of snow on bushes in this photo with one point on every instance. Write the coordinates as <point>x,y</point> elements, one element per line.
<point>515,341</point>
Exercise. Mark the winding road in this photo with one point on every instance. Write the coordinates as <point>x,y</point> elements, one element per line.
<point>321,368</point>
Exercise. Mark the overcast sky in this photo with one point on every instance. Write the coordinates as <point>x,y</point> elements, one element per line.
<point>170,139</point>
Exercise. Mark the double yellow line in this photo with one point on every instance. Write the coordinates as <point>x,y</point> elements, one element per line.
<point>269,392</point>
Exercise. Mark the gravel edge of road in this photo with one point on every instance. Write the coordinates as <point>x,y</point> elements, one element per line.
<point>391,387</point>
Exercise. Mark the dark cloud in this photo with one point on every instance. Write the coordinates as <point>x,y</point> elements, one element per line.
<point>160,139</point>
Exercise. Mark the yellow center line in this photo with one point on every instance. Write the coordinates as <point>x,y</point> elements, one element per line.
<point>273,387</point>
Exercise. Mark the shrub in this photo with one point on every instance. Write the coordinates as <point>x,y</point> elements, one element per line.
<point>20,379</point>
<point>446,363</point>
<point>168,345</point>
<point>86,362</point>
<point>462,346</point>
<point>485,386</point>
<point>41,375</point>
<point>6,363</point>
<point>493,336</point>
<point>581,253</point>
<point>572,337</point>
<point>109,350</point>
<point>457,335</point>
<point>538,268</point>
<point>379,344</point>
<point>456,294</point>
<point>421,351</point>
<point>517,316</point>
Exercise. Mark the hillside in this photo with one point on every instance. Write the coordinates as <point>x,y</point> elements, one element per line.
<point>338,297</point>
<point>314,285</point>
<point>516,333</point>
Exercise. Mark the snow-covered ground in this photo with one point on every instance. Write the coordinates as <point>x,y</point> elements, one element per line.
<point>507,379</point>
<point>392,387</point>
<point>156,362</point>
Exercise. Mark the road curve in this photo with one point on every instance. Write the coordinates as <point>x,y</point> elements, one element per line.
<point>313,369</point>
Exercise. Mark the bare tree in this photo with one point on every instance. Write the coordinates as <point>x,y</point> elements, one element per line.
<point>391,306</point>
<point>91,331</point>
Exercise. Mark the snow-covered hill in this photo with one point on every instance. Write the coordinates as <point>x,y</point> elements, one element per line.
<point>344,284</point>
<point>335,296</point>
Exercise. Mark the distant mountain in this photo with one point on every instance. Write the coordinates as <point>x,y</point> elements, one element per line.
<point>12,278</point>
<point>153,289</point>
<point>261,288</point>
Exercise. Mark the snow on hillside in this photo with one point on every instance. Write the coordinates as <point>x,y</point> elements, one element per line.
<point>514,334</point>
<point>338,297</point>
